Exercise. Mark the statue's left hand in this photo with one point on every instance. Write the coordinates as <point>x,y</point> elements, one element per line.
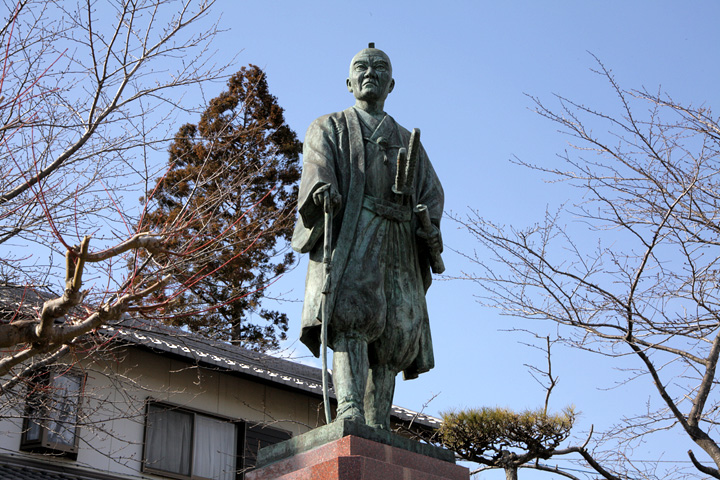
<point>432,239</point>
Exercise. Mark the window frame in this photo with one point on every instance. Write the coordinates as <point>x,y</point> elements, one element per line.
<point>39,395</point>
<point>147,468</point>
<point>242,427</point>
<point>256,429</point>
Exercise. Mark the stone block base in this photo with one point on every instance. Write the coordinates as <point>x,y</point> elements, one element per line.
<point>355,458</point>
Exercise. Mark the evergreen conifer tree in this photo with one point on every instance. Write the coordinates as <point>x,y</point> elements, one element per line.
<point>232,177</point>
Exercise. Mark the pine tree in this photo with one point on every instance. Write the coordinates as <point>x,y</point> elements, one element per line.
<point>233,177</point>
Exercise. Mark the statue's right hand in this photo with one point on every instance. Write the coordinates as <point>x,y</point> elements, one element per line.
<point>319,196</point>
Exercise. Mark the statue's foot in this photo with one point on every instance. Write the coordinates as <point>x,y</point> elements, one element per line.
<point>350,411</point>
<point>379,426</point>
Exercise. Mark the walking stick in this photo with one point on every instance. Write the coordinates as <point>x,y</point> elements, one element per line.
<point>325,304</point>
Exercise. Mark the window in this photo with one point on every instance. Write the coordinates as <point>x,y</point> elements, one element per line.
<point>181,443</point>
<point>189,445</point>
<point>258,436</point>
<point>52,412</point>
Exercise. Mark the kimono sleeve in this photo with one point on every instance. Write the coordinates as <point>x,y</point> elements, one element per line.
<point>320,153</point>
<point>429,193</point>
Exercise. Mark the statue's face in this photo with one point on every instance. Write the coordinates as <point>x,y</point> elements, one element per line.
<point>370,76</point>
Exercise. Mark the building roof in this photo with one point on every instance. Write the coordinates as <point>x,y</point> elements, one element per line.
<point>213,353</point>
<point>26,302</point>
<point>23,468</point>
<point>236,359</point>
<point>17,301</point>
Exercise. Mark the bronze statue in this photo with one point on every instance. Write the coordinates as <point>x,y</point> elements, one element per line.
<point>386,203</point>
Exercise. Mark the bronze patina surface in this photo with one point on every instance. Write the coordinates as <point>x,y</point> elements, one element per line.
<point>374,173</point>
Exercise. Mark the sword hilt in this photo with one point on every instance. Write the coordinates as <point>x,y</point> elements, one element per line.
<point>406,161</point>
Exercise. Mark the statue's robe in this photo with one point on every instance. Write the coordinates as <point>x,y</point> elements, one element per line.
<point>380,268</point>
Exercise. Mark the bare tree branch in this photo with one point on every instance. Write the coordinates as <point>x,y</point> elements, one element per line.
<point>641,279</point>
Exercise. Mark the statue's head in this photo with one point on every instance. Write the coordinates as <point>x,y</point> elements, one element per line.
<point>370,78</point>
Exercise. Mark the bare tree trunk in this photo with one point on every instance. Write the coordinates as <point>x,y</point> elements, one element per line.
<point>511,473</point>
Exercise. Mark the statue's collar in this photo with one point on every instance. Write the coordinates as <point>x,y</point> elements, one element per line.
<point>370,121</point>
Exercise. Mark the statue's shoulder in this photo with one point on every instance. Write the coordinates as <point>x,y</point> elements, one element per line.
<point>332,122</point>
<point>335,116</point>
<point>404,132</point>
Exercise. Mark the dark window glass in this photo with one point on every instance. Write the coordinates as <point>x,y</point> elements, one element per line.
<point>258,436</point>
<point>52,412</point>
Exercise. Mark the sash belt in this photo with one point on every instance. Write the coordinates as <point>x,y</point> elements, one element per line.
<point>388,210</point>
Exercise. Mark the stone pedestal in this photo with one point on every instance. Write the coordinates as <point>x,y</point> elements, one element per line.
<point>332,453</point>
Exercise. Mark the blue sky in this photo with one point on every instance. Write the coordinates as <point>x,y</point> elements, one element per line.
<point>463,70</point>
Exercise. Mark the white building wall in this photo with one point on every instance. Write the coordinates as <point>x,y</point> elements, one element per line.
<point>10,424</point>
<point>119,384</point>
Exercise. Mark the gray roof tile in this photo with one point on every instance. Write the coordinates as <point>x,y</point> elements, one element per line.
<point>25,468</point>
<point>237,359</point>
